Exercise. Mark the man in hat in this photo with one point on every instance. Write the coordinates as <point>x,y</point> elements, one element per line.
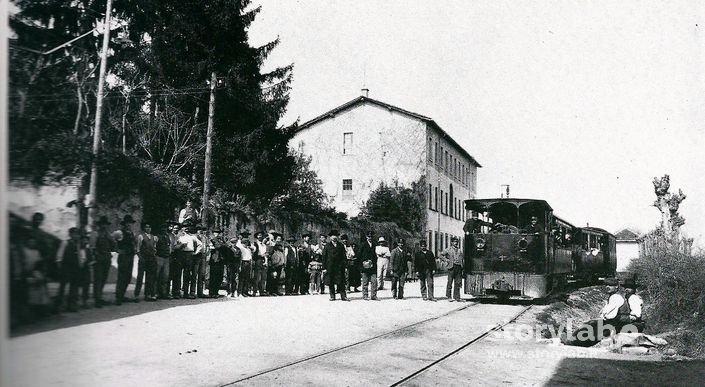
<point>190,247</point>
<point>453,257</point>
<point>398,268</point>
<point>261,263</point>
<point>127,247</point>
<point>352,272</point>
<point>202,271</point>
<point>383,255</point>
<point>175,265</point>
<point>318,250</point>
<point>277,262</point>
<point>334,260</point>
<point>163,257</point>
<point>291,280</point>
<point>368,267</point>
<point>147,263</point>
<point>425,264</point>
<point>216,262</point>
<point>305,254</point>
<point>474,224</point>
<point>233,265</point>
<point>533,227</point>
<point>245,284</point>
<point>104,246</point>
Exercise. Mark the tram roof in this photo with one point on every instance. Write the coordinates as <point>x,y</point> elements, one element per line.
<point>482,205</point>
<point>596,230</point>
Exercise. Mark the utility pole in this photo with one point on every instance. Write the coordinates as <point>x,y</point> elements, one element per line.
<point>209,140</point>
<point>98,113</point>
<point>506,186</point>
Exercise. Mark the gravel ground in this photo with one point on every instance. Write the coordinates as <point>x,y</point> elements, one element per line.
<point>208,343</point>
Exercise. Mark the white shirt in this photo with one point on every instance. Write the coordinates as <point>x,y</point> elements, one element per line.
<point>244,251</point>
<point>613,303</point>
<point>383,252</point>
<point>188,240</point>
<point>635,304</point>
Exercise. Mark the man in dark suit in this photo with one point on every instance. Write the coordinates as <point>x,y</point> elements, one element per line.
<point>368,266</point>
<point>398,268</point>
<point>334,261</point>
<point>425,264</point>
<point>291,282</point>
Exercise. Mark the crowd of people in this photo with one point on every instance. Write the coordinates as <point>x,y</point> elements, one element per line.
<point>181,259</point>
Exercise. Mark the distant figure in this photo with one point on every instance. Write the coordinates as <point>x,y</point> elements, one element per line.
<point>104,246</point>
<point>334,261</point>
<point>453,257</point>
<point>383,255</point>
<point>533,227</point>
<point>352,272</point>
<point>188,214</point>
<point>368,267</point>
<point>147,263</point>
<point>398,268</point>
<point>315,267</point>
<point>305,254</point>
<point>425,264</point>
<point>474,224</point>
<point>69,269</point>
<point>245,283</point>
<point>291,283</point>
<point>126,247</point>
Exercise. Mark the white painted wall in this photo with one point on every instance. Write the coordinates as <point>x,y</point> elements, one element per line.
<point>626,252</point>
<point>24,199</point>
<point>387,145</point>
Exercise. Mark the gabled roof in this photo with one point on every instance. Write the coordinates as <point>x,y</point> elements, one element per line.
<point>363,99</point>
<point>627,234</point>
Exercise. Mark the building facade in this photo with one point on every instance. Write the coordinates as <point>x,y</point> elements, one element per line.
<point>365,142</point>
<point>627,249</point>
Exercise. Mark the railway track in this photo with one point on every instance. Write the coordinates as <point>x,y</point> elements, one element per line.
<point>302,369</point>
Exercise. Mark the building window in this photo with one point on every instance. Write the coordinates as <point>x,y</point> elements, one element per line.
<point>442,206</point>
<point>445,165</point>
<point>435,242</point>
<point>347,184</point>
<point>446,203</point>
<point>447,241</point>
<point>430,240</point>
<point>430,149</point>
<point>347,143</point>
<point>435,152</point>
<point>430,197</point>
<point>435,199</point>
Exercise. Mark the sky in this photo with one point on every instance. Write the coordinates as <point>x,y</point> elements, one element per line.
<point>580,103</point>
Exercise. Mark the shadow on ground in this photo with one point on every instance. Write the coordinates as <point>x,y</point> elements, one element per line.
<point>106,313</point>
<point>606,372</point>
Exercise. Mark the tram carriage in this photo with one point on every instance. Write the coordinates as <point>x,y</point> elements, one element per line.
<point>502,261</point>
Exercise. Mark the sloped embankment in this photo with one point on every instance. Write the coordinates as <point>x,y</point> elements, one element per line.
<point>577,306</point>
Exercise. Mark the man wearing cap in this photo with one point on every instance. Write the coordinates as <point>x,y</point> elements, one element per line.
<point>126,247</point>
<point>291,268</point>
<point>383,255</point>
<point>533,227</point>
<point>398,268</point>
<point>147,263</point>
<point>164,247</point>
<point>368,267</point>
<point>104,246</point>
<point>261,261</point>
<point>425,264</point>
<point>245,285</point>
<point>318,250</point>
<point>304,253</point>
<point>233,264</point>
<point>453,257</point>
<point>474,224</point>
<point>334,260</point>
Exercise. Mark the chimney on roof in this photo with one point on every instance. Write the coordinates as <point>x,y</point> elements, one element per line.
<point>365,92</point>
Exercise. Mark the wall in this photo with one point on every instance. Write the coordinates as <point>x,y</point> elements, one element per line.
<point>387,145</point>
<point>626,251</point>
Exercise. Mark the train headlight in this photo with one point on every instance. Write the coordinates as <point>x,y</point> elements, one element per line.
<point>523,244</point>
<point>480,243</point>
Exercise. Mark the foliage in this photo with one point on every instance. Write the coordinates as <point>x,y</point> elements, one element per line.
<point>161,59</point>
<point>398,204</point>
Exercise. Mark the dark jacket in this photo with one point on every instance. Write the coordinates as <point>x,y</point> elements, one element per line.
<point>334,258</point>
<point>424,261</point>
<point>398,263</point>
<point>366,252</point>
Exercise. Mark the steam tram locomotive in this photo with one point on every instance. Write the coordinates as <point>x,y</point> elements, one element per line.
<point>506,261</point>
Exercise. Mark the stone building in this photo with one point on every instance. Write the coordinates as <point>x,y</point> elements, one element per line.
<point>364,142</point>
